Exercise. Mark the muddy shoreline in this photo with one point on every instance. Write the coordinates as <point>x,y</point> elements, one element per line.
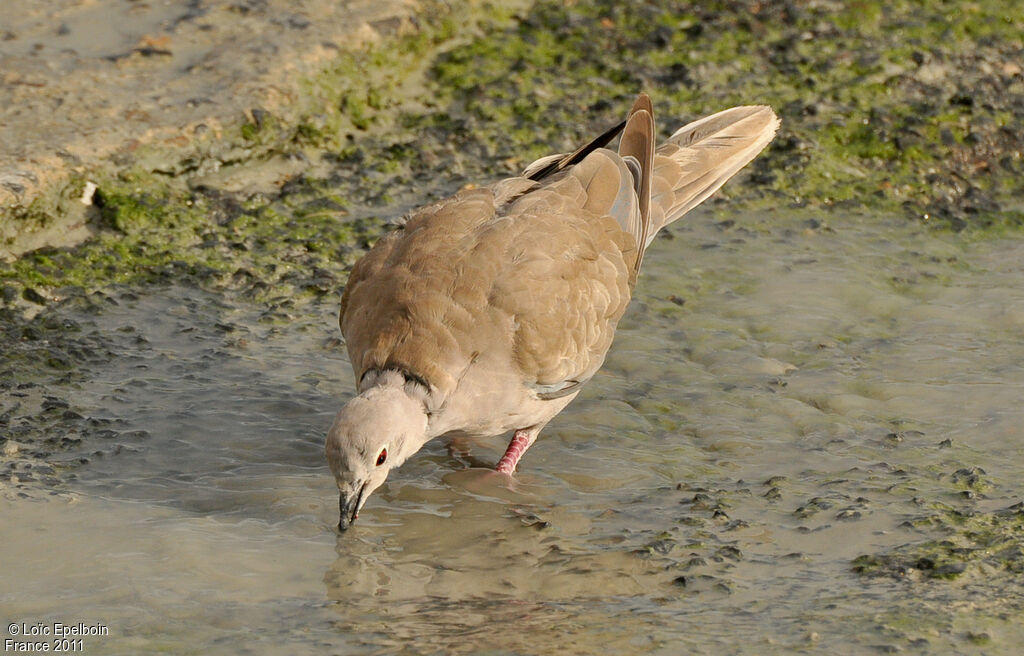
<point>912,114</point>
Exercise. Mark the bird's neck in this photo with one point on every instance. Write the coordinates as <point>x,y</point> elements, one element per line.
<point>404,404</point>
<point>413,386</point>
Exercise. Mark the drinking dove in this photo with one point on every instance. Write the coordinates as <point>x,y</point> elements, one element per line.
<point>488,311</point>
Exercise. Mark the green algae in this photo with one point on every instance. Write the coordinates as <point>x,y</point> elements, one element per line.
<point>150,232</point>
<point>911,114</point>
<point>859,124</point>
<point>972,541</point>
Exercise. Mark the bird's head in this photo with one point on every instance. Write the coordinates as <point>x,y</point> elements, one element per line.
<point>374,433</point>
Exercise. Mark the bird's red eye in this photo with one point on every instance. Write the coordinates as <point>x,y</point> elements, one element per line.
<point>382,457</point>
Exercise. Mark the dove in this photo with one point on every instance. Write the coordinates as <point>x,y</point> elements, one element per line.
<point>487,312</point>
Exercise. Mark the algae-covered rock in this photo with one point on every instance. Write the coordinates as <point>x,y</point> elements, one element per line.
<point>983,542</point>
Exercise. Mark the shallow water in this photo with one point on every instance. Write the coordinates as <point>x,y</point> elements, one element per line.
<point>781,398</point>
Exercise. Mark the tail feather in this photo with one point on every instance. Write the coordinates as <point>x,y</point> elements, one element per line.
<point>646,188</point>
<point>701,156</point>
<point>637,144</point>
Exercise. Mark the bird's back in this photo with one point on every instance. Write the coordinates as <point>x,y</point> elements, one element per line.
<point>535,273</point>
<point>525,280</point>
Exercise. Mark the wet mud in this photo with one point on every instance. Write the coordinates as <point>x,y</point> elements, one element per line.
<point>771,460</point>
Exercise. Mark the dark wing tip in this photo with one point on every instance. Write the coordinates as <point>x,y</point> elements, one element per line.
<point>578,156</point>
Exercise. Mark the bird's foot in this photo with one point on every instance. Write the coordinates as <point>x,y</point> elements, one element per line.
<point>521,441</point>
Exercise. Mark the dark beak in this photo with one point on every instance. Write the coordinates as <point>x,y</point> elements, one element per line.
<point>348,507</point>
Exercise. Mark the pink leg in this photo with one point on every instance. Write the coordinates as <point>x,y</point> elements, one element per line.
<point>521,441</point>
